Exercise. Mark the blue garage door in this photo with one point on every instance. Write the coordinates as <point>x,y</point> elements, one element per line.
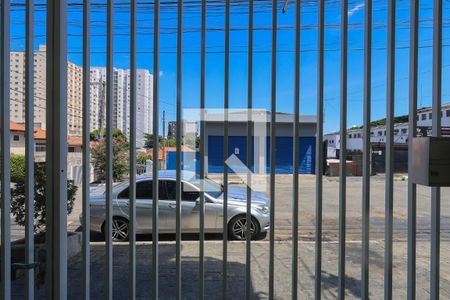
<point>284,153</point>
<point>237,145</point>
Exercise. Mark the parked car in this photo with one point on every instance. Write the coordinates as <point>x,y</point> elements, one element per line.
<point>190,207</point>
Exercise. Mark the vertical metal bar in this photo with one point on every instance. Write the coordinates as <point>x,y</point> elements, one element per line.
<point>5,154</point>
<point>132,205</point>
<point>436,131</point>
<point>248,234</point>
<point>389,198</point>
<point>367,150</point>
<point>319,149</point>
<point>296,162</point>
<point>343,150</point>
<point>412,129</point>
<point>109,148</point>
<point>56,150</point>
<point>202,153</point>
<point>29,149</point>
<point>86,162</point>
<point>179,135</point>
<point>155,208</point>
<point>273,119</point>
<point>225,151</point>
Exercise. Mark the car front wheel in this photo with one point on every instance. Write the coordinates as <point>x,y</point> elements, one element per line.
<point>238,228</point>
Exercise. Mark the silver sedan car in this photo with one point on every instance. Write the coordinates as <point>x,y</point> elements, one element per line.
<point>190,207</point>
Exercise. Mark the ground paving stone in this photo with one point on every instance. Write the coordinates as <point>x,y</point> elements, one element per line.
<point>259,268</point>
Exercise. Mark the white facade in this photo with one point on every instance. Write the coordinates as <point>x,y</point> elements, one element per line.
<point>121,101</point>
<point>378,134</point>
<point>98,98</point>
<point>425,116</point>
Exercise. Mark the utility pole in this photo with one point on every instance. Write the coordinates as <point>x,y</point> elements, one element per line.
<point>164,138</point>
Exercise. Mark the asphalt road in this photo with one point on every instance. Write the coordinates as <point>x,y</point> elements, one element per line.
<point>283,209</point>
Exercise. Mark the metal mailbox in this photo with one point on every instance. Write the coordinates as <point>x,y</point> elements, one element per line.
<point>431,161</point>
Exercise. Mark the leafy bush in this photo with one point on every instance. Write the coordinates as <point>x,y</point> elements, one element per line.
<point>18,193</point>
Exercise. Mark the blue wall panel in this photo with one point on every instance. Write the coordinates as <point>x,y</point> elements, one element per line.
<point>187,161</point>
<point>284,154</point>
<point>237,145</point>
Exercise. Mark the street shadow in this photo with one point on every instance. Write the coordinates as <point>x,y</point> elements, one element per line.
<point>352,285</point>
<point>167,274</point>
<point>98,237</point>
<point>190,278</point>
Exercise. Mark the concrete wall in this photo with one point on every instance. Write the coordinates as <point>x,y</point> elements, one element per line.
<point>240,129</point>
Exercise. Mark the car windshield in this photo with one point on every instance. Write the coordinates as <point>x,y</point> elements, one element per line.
<point>212,188</point>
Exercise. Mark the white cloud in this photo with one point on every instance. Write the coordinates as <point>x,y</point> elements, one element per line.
<point>161,73</point>
<point>355,9</point>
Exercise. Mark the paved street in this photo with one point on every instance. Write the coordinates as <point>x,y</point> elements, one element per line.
<point>259,268</point>
<point>283,207</point>
<point>283,248</point>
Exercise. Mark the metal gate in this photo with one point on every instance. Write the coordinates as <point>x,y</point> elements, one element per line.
<point>56,280</point>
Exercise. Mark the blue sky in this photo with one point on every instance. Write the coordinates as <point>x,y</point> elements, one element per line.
<point>262,56</point>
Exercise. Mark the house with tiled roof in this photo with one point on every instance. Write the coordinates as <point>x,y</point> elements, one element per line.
<point>17,140</point>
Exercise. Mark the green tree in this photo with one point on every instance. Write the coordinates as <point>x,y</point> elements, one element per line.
<point>98,134</point>
<point>149,140</point>
<point>119,159</point>
<point>95,135</point>
<point>171,142</point>
<point>18,193</point>
<point>141,158</point>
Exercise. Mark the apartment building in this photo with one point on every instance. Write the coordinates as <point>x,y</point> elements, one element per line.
<point>74,99</point>
<point>17,87</point>
<point>121,96</point>
<point>17,93</point>
<point>121,101</point>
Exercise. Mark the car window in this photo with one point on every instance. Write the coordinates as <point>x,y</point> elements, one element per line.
<point>188,194</point>
<point>212,188</point>
<point>169,188</point>
<point>144,190</point>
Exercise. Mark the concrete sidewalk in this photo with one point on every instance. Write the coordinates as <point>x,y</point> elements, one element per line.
<point>259,268</point>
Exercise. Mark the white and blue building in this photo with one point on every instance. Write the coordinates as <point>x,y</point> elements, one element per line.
<point>237,141</point>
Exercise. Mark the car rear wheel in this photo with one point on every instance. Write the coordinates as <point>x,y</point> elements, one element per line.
<point>120,229</point>
<point>238,228</point>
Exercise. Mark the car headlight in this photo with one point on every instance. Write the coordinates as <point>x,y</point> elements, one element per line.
<point>263,209</point>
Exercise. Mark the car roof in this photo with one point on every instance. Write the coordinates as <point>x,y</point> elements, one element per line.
<point>169,174</point>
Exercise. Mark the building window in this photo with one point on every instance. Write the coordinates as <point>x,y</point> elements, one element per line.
<point>430,115</point>
<point>71,149</point>
<point>16,138</point>
<point>40,147</point>
<point>404,131</point>
<point>424,116</point>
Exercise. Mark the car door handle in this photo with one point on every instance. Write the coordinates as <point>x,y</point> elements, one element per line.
<point>171,205</point>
